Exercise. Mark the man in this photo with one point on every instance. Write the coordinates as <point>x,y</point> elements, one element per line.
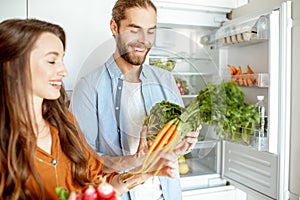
<point>111,103</point>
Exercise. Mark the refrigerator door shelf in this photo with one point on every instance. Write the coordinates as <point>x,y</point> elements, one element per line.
<point>250,80</point>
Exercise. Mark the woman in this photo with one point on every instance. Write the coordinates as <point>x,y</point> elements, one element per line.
<point>41,144</point>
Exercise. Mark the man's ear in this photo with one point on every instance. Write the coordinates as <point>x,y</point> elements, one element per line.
<point>113,27</point>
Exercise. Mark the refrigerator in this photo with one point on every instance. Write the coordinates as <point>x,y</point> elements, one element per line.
<point>198,54</point>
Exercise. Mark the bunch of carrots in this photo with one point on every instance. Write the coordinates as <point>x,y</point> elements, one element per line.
<point>165,141</point>
<point>167,124</point>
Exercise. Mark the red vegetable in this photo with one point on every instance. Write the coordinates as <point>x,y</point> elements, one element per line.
<point>89,193</point>
<point>105,190</point>
<point>79,196</point>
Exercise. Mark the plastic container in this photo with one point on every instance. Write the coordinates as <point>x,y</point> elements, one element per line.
<point>251,80</point>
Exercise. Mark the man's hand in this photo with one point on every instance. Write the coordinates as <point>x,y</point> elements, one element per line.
<point>165,166</point>
<point>169,162</point>
<point>188,143</point>
<point>143,146</point>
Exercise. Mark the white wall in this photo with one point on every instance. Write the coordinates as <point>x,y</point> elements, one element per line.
<point>12,8</point>
<point>86,24</point>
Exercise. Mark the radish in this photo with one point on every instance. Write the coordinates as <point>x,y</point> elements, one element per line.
<point>90,193</point>
<point>105,190</point>
<point>79,196</point>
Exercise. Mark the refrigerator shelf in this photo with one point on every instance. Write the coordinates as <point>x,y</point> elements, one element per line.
<point>227,43</point>
<point>189,96</point>
<point>190,73</point>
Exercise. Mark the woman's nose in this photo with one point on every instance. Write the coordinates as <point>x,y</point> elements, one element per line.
<point>62,71</point>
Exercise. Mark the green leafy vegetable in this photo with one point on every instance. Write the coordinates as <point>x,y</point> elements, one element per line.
<point>160,114</point>
<point>219,105</point>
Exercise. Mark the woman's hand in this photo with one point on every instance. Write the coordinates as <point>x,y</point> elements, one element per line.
<point>165,167</point>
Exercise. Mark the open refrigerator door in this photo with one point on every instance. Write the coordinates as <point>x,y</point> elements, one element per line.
<point>225,168</point>
<point>257,42</point>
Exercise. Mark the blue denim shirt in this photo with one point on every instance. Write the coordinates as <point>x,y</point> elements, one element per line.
<point>95,103</point>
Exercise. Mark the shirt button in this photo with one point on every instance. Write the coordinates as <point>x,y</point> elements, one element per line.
<point>117,108</point>
<point>119,88</point>
<point>54,162</point>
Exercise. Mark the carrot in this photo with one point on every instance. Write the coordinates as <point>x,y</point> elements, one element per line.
<point>250,71</point>
<point>172,143</point>
<point>175,133</point>
<point>161,134</point>
<point>244,80</point>
<point>159,141</point>
<point>233,69</point>
<point>169,149</point>
<point>166,137</point>
<point>167,145</point>
<point>249,81</point>
<point>239,71</point>
<point>240,81</point>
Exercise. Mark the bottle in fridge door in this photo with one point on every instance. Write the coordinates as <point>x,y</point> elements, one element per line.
<point>261,140</point>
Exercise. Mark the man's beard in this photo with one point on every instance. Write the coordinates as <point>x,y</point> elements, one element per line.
<point>128,56</point>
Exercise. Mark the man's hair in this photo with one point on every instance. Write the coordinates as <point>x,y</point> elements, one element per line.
<point>120,7</point>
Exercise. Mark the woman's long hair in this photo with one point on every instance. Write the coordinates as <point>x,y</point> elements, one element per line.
<point>17,138</point>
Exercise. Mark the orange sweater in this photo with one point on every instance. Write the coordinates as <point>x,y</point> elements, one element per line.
<point>55,169</point>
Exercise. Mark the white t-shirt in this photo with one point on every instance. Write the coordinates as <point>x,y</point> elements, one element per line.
<point>133,114</point>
